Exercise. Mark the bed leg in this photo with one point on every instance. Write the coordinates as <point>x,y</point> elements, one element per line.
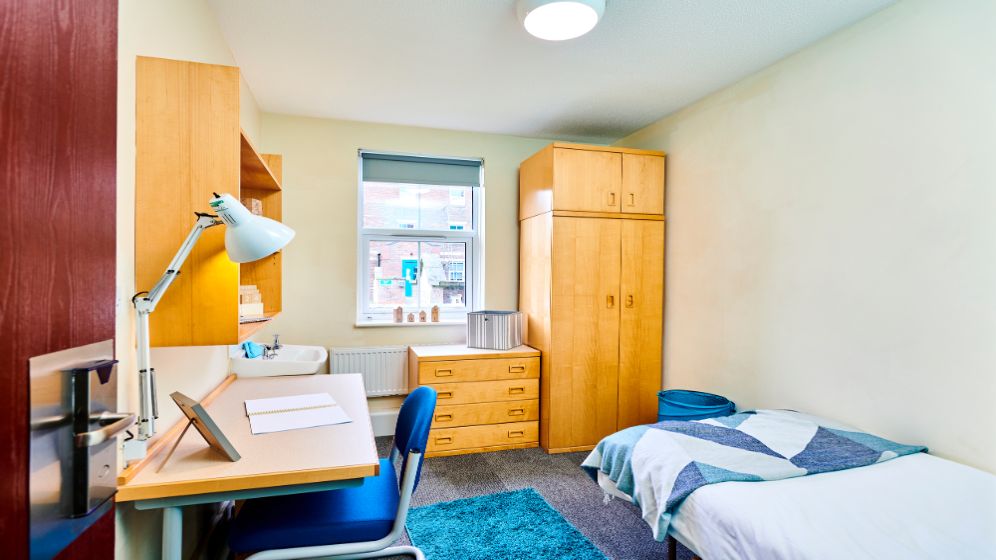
<point>672,548</point>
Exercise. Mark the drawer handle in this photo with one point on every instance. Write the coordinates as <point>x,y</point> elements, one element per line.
<point>516,411</point>
<point>516,390</point>
<point>443,440</point>
<point>444,417</point>
<point>632,199</point>
<point>629,301</point>
<point>516,433</point>
<point>516,369</point>
<point>444,372</point>
<point>610,301</point>
<point>444,395</point>
<point>612,199</point>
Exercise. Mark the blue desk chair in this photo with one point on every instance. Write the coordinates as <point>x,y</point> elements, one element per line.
<point>350,523</point>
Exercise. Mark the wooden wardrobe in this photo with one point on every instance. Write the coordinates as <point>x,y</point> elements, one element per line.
<point>591,284</point>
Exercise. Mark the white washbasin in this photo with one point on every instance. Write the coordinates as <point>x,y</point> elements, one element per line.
<point>290,360</point>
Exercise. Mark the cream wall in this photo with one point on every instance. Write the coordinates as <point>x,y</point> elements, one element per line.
<point>319,201</point>
<point>185,30</point>
<point>831,232</point>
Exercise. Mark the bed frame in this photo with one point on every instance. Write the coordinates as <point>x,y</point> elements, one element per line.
<point>672,549</point>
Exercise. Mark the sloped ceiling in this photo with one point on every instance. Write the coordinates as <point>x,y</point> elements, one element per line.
<point>469,64</point>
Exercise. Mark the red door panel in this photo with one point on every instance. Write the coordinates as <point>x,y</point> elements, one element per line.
<point>58,63</point>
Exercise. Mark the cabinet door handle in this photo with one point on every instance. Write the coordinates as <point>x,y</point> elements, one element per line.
<point>516,412</point>
<point>516,434</point>
<point>444,395</point>
<point>516,390</point>
<point>612,199</point>
<point>610,301</point>
<point>444,372</point>
<point>444,417</point>
<point>516,369</point>
<point>629,301</point>
<point>443,440</point>
<point>632,199</point>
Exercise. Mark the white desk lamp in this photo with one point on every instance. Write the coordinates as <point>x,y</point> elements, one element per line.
<point>248,238</point>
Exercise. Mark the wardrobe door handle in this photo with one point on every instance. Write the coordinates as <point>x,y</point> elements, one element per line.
<point>516,390</point>
<point>444,417</point>
<point>612,199</point>
<point>444,395</point>
<point>444,372</point>
<point>516,434</point>
<point>629,301</point>
<point>516,369</point>
<point>632,199</point>
<point>516,412</point>
<point>610,301</point>
<point>443,440</point>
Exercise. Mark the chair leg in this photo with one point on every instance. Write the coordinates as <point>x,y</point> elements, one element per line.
<point>672,548</point>
<point>389,551</point>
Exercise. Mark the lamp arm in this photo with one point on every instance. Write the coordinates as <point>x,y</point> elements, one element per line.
<point>144,306</point>
<point>204,221</point>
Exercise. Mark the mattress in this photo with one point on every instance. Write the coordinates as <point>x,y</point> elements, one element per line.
<point>913,507</point>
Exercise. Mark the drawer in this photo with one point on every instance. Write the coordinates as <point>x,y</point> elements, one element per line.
<point>470,437</point>
<point>486,391</point>
<point>485,413</point>
<point>478,370</point>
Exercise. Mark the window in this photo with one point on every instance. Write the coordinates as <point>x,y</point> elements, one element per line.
<point>419,238</point>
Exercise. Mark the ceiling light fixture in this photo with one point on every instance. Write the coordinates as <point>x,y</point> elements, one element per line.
<point>559,20</point>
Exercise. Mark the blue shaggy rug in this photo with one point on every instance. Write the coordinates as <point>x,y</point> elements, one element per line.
<point>516,524</point>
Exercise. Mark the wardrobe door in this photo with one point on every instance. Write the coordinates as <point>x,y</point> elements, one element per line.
<point>587,180</point>
<point>584,364</point>
<point>642,184</point>
<point>641,321</point>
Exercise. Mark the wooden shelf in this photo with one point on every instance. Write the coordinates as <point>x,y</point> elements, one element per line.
<point>248,329</point>
<point>254,172</point>
<point>187,140</point>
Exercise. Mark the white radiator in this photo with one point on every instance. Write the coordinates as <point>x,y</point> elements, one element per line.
<point>384,368</point>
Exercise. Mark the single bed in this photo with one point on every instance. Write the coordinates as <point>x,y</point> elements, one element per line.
<point>916,506</point>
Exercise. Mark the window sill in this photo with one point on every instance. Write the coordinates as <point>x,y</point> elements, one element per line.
<point>376,324</point>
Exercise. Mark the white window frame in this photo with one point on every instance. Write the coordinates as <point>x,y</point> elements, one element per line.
<point>473,267</point>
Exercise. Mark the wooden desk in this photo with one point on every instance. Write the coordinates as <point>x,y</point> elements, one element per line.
<point>290,462</point>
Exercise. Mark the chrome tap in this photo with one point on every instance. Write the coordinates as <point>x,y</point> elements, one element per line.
<point>270,351</point>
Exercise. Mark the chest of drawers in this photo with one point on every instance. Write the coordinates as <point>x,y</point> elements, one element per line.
<point>487,400</point>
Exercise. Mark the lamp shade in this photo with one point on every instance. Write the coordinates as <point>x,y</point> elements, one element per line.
<point>249,237</point>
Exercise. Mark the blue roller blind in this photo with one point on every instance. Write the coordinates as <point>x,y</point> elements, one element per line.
<point>394,168</point>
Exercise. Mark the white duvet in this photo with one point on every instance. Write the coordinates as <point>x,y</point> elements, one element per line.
<point>914,507</point>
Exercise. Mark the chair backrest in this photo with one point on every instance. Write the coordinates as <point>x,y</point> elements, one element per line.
<point>412,430</point>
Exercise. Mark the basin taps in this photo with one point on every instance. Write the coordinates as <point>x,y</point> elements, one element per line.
<point>276,343</point>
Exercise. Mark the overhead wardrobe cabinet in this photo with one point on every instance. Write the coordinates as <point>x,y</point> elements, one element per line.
<point>592,287</point>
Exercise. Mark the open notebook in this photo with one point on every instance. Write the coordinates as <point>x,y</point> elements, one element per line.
<point>279,414</point>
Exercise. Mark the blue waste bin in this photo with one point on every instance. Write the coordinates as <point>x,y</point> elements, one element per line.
<point>678,404</point>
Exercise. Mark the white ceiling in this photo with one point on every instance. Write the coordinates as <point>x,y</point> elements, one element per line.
<point>469,64</point>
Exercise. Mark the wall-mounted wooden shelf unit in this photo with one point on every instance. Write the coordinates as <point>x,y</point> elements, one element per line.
<point>188,145</point>
<point>255,172</point>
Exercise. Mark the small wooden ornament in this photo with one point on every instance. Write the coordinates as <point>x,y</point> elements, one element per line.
<point>435,313</point>
<point>411,317</point>
<point>421,316</point>
<point>399,314</point>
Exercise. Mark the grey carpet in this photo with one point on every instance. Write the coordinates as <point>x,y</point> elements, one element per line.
<point>616,528</point>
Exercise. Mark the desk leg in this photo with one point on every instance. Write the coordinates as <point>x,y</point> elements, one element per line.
<point>172,533</point>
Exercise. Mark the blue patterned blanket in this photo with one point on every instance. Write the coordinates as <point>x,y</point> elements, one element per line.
<point>660,464</point>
